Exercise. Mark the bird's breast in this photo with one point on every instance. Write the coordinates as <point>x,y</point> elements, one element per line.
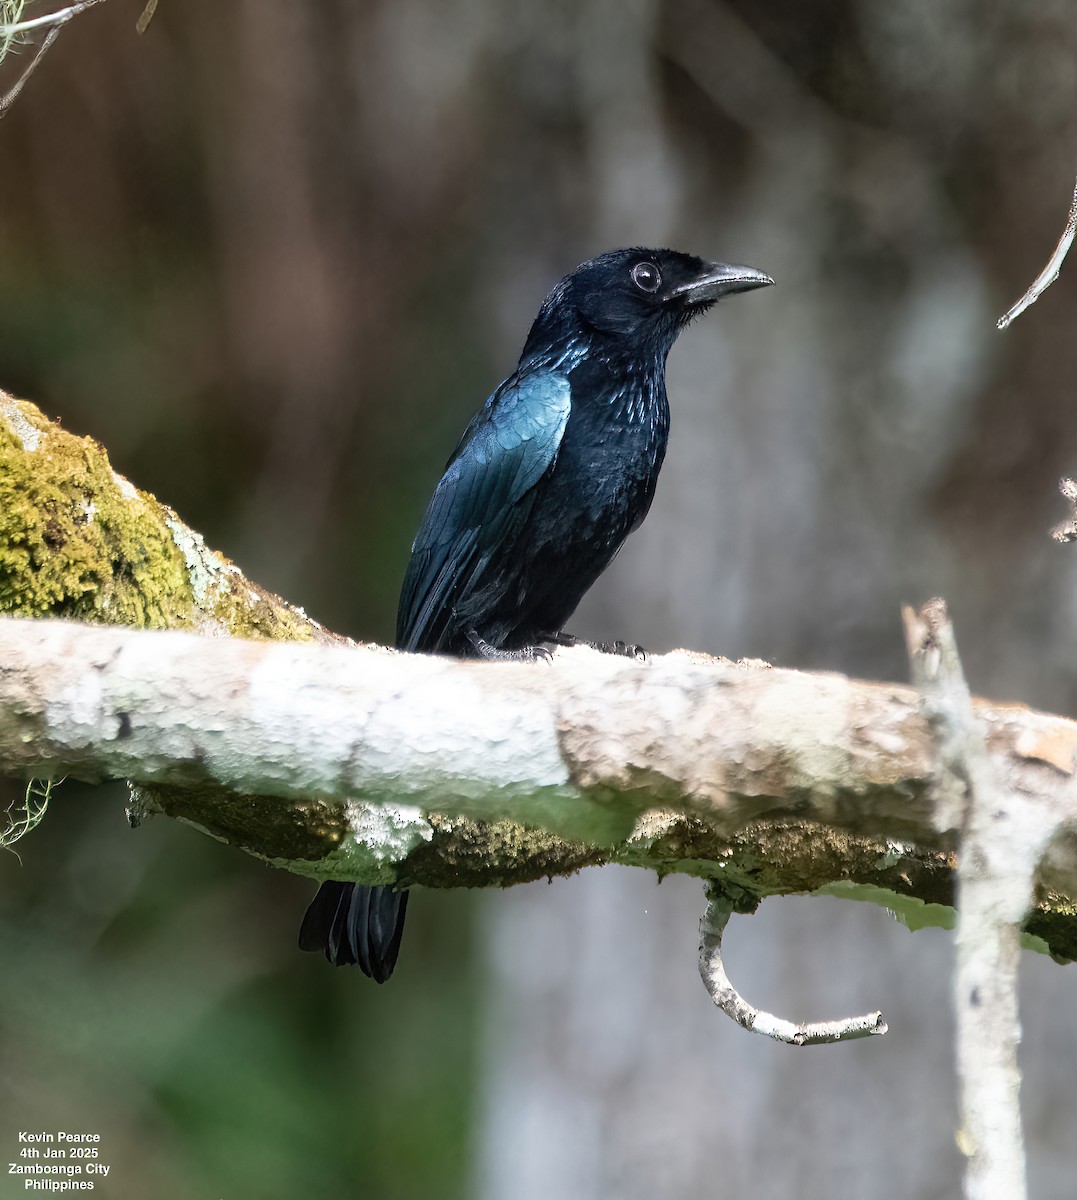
<point>607,465</point>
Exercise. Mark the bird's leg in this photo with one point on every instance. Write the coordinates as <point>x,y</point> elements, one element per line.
<point>494,654</point>
<point>625,649</point>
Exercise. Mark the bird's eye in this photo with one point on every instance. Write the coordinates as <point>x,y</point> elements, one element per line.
<point>647,277</point>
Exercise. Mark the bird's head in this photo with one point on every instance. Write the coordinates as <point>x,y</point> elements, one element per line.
<point>638,298</point>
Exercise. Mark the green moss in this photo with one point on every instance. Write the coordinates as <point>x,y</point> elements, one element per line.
<point>466,853</point>
<point>1052,921</point>
<point>78,541</point>
<point>75,540</point>
<point>261,825</point>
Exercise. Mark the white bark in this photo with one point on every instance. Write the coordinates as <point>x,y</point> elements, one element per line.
<point>1001,844</point>
<point>732,1003</point>
<point>346,761</point>
<point>1050,272</point>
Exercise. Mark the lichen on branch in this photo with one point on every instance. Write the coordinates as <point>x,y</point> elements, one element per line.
<point>79,541</point>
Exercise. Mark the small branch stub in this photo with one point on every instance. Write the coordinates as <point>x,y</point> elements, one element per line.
<point>1066,531</point>
<point>755,1020</point>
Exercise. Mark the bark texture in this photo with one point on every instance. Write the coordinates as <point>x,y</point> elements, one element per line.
<point>361,763</point>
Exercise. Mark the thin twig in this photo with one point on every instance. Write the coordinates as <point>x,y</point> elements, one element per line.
<point>60,17</point>
<point>1000,847</point>
<point>755,1020</point>
<point>57,20</point>
<point>1050,272</point>
<point>9,98</point>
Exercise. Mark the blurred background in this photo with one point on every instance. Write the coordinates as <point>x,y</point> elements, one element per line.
<point>273,256</point>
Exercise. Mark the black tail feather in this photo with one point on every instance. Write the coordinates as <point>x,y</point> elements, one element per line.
<point>356,925</point>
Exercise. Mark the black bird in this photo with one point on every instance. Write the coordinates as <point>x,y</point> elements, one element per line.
<point>553,473</point>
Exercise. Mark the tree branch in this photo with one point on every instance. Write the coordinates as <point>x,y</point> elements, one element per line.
<point>1001,844</point>
<point>333,760</point>
<point>362,763</point>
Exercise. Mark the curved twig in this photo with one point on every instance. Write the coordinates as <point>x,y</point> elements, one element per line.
<point>1050,272</point>
<point>755,1020</point>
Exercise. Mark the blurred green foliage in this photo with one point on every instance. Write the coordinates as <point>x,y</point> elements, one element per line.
<point>152,993</point>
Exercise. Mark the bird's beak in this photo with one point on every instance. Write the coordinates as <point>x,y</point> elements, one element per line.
<point>721,279</point>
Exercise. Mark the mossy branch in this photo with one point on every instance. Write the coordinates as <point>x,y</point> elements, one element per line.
<point>80,542</point>
<point>334,760</point>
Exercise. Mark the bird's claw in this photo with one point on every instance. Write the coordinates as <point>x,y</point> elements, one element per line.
<point>625,649</point>
<point>495,654</point>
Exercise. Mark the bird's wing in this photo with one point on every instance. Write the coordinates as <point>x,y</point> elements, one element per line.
<point>482,497</point>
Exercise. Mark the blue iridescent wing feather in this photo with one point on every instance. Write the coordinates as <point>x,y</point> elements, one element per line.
<point>482,501</point>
